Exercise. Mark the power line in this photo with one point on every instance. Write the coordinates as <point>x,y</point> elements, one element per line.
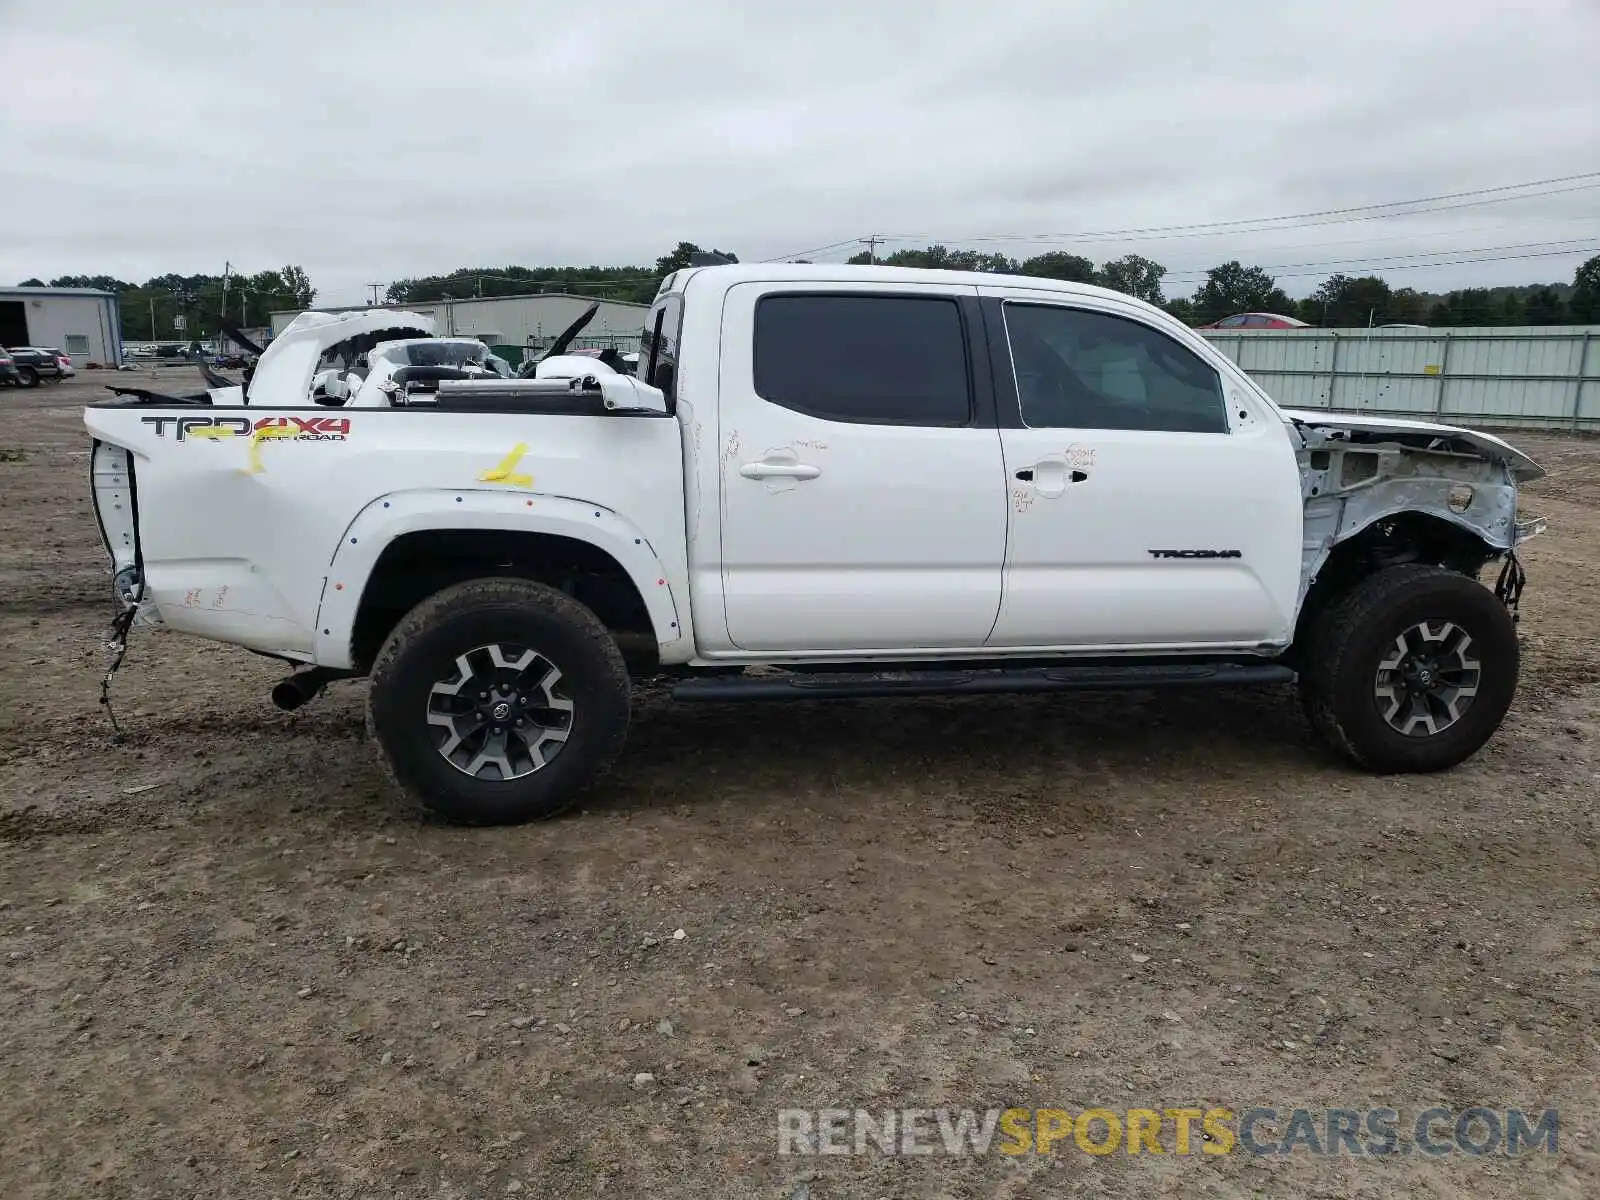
<point>1328,216</point>
<point>818,249</point>
<point>1374,259</point>
<point>1454,262</point>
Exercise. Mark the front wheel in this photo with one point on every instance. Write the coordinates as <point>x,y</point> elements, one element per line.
<point>1412,670</point>
<point>498,701</point>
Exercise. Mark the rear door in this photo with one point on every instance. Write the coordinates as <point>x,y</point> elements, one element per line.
<point>1155,503</point>
<point>862,486</point>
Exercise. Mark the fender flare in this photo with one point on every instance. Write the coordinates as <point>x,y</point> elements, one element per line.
<point>391,516</point>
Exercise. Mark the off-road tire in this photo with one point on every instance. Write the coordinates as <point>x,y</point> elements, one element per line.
<point>421,650</point>
<point>1349,639</point>
<point>27,377</point>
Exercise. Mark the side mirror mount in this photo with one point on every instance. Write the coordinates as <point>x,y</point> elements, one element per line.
<point>624,393</point>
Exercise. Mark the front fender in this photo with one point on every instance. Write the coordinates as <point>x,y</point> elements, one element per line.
<point>389,517</point>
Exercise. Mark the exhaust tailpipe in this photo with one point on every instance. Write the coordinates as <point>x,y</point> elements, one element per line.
<point>302,687</point>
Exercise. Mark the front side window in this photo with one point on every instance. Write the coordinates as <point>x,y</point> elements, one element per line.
<point>1077,369</point>
<point>875,360</point>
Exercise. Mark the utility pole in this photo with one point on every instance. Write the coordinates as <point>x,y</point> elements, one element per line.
<point>871,243</point>
<point>152,316</point>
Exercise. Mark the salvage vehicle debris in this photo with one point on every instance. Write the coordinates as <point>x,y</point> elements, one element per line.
<point>865,481</point>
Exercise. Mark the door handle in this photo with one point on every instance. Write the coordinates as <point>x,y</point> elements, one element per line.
<point>1026,475</point>
<point>770,470</point>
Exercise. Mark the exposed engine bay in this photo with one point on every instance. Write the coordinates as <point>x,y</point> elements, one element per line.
<point>1379,491</point>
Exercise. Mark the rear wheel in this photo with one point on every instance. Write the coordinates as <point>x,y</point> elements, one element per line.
<point>27,377</point>
<point>1412,670</point>
<point>498,701</point>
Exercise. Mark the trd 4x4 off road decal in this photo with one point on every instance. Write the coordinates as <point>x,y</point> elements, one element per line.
<point>298,429</point>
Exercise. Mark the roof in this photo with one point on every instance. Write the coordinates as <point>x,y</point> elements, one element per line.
<point>52,291</point>
<point>465,300</point>
<point>848,273</point>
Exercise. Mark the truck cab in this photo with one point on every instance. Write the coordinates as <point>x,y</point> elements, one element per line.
<point>872,480</point>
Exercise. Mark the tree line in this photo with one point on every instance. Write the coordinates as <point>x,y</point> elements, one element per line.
<point>1231,287</point>
<point>1341,301</point>
<point>148,309</point>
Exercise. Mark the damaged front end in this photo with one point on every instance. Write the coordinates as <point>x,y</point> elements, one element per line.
<point>1380,492</point>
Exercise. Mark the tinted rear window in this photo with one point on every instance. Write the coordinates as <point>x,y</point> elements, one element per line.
<point>881,360</point>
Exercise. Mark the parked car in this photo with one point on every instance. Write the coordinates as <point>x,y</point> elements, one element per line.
<point>35,363</point>
<point>1256,320</point>
<point>868,481</point>
<point>8,369</point>
<point>64,361</point>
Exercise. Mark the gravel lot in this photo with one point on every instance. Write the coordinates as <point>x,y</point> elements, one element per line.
<point>233,964</point>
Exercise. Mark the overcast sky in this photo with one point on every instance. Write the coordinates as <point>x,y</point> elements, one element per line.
<point>377,140</point>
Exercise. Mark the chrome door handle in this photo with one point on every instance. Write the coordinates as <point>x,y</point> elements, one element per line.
<point>769,470</point>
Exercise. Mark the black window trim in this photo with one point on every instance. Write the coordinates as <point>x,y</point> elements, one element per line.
<point>1003,373</point>
<point>976,346</point>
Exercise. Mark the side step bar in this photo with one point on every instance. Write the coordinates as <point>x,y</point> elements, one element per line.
<point>844,685</point>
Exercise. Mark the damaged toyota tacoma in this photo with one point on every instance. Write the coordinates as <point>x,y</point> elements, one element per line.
<point>863,481</point>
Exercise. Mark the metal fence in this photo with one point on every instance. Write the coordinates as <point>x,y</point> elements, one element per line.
<point>1535,377</point>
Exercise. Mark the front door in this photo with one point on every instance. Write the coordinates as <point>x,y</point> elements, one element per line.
<point>1154,504</point>
<point>863,493</point>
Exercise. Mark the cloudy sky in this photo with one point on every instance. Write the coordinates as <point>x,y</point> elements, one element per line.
<point>376,139</point>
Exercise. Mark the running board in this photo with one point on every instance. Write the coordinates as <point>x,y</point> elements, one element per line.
<point>843,685</point>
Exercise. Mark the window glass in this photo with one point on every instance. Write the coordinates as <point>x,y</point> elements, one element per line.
<point>77,343</point>
<point>877,360</point>
<point>1232,322</point>
<point>670,310</point>
<point>1077,369</point>
<point>1258,321</point>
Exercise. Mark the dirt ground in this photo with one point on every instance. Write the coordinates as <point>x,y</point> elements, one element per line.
<point>233,964</point>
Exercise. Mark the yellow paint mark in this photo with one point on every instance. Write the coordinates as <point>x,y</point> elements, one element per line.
<point>261,435</point>
<point>1431,369</point>
<point>504,472</point>
<point>213,431</point>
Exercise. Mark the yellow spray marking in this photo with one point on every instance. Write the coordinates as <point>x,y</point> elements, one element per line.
<point>508,464</point>
<point>261,435</point>
<point>213,431</point>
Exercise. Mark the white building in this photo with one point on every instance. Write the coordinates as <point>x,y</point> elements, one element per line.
<point>81,322</point>
<point>531,320</point>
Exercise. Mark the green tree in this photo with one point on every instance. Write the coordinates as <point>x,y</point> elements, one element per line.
<point>678,259</point>
<point>1058,264</point>
<point>1181,308</point>
<point>1584,303</point>
<point>1133,275</point>
<point>1469,307</point>
<point>1408,307</point>
<point>1234,288</point>
<point>298,284</point>
<point>1343,301</point>
<point>1544,306</point>
<point>32,283</point>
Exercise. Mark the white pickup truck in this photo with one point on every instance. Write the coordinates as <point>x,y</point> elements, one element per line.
<point>869,481</point>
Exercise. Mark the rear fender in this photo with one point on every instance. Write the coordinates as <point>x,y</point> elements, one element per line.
<point>392,516</point>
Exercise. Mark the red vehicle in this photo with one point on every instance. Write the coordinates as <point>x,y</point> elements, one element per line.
<point>1256,320</point>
